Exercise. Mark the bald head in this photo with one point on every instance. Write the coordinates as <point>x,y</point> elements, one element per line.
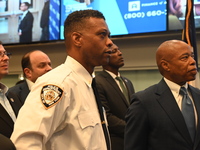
<point>175,60</point>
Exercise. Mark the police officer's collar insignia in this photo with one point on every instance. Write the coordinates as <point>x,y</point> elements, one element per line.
<point>51,95</point>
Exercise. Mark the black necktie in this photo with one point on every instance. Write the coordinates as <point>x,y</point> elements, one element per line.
<point>100,108</point>
<point>188,112</point>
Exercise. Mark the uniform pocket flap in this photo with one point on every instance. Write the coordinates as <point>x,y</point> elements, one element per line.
<point>87,119</point>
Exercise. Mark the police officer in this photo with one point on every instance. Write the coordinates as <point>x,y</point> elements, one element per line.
<point>61,111</point>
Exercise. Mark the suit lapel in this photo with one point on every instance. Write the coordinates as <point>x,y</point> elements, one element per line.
<point>167,101</point>
<point>24,91</point>
<point>5,116</point>
<point>15,104</point>
<point>196,95</point>
<point>115,86</point>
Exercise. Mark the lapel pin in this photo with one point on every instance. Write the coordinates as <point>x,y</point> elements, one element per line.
<point>11,99</point>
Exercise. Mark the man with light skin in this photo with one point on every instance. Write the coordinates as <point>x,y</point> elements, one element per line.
<point>34,64</point>
<point>8,109</point>
<point>26,24</point>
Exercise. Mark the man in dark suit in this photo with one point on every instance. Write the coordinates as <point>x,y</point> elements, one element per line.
<point>112,97</point>
<point>34,64</point>
<point>8,108</point>
<point>156,118</point>
<point>26,24</point>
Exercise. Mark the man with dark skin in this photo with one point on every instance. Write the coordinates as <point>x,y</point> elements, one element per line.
<point>112,97</point>
<point>155,119</point>
<point>64,113</point>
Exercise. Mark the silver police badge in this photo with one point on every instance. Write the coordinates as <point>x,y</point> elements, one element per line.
<point>51,95</point>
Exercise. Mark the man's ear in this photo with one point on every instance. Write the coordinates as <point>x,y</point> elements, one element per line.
<point>77,38</point>
<point>27,72</point>
<point>165,65</point>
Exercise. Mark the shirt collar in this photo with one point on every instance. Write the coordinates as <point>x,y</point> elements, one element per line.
<point>80,70</point>
<point>3,88</point>
<point>29,83</point>
<point>25,12</point>
<point>175,88</point>
<point>112,74</point>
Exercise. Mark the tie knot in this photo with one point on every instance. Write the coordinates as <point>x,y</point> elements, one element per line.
<point>183,91</point>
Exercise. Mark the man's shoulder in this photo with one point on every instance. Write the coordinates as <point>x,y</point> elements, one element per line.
<point>148,92</point>
<point>194,89</point>
<point>56,75</point>
<point>29,15</point>
<point>102,74</point>
<point>126,79</point>
<point>18,87</point>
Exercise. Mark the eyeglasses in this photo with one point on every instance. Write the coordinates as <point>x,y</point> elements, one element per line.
<point>5,53</point>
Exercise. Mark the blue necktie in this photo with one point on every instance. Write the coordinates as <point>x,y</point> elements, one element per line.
<point>188,112</point>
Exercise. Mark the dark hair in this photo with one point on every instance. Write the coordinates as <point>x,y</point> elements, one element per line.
<point>27,4</point>
<point>77,20</point>
<point>25,62</point>
<point>1,43</point>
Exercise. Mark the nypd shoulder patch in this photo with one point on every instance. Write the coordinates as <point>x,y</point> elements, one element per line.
<point>51,95</point>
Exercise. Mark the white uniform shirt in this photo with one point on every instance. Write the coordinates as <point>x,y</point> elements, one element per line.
<point>71,123</point>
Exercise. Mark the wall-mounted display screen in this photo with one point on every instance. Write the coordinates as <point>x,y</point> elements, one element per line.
<point>27,21</point>
<point>44,19</point>
<point>123,16</point>
<point>176,14</point>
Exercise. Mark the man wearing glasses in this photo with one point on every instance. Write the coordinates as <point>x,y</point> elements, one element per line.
<point>8,108</point>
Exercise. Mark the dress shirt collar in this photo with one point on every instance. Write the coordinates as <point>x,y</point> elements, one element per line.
<point>30,84</point>
<point>175,88</point>
<point>24,14</point>
<point>112,74</point>
<point>3,88</point>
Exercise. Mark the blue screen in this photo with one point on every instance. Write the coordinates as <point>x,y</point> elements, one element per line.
<point>123,16</point>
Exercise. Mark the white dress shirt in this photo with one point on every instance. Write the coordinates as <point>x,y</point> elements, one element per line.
<point>5,103</point>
